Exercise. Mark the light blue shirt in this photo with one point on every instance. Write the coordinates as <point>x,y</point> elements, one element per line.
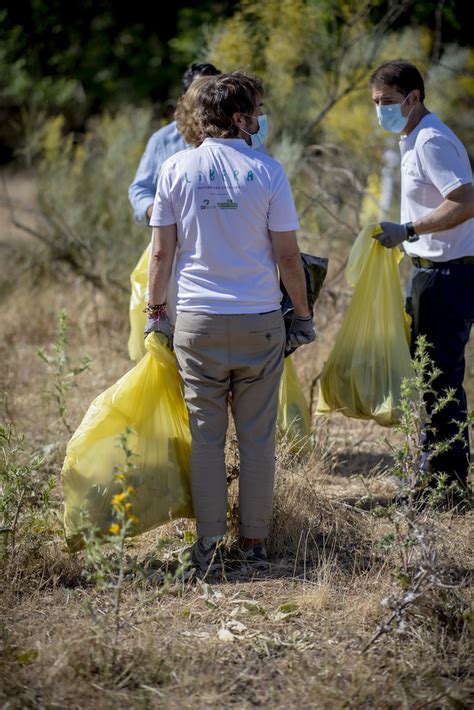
<point>162,145</point>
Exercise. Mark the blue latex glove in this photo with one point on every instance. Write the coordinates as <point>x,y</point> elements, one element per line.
<point>300,332</point>
<point>393,234</point>
<point>161,324</point>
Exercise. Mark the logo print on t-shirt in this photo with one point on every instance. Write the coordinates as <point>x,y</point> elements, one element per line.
<point>228,205</point>
<point>206,205</point>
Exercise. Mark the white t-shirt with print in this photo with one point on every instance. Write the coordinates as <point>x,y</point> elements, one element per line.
<point>434,163</point>
<point>224,197</point>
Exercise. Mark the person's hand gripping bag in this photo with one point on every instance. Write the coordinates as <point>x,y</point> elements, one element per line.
<point>147,401</point>
<point>363,375</point>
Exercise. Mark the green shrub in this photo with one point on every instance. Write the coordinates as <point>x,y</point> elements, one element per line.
<point>83,200</point>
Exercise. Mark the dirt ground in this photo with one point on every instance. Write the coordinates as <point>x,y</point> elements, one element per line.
<point>291,636</point>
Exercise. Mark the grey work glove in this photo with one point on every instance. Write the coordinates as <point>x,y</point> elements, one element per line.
<point>161,324</point>
<point>393,234</point>
<point>300,332</point>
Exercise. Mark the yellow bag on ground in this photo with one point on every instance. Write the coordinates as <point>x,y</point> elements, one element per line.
<point>363,375</point>
<point>293,421</point>
<point>148,400</point>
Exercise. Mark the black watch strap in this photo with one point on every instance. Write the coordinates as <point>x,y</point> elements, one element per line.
<point>412,236</point>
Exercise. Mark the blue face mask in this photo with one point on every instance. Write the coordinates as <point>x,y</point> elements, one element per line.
<point>391,118</point>
<point>257,139</point>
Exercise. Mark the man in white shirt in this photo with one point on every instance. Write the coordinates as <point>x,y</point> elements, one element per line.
<point>437,232</point>
<point>228,212</point>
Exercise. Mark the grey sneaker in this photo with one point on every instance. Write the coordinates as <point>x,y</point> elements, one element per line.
<point>203,558</point>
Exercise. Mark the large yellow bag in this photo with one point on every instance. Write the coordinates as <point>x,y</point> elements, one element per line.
<point>293,412</point>
<point>363,375</point>
<point>148,400</point>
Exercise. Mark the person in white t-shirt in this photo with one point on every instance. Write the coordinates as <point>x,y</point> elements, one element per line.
<point>227,211</point>
<point>437,232</point>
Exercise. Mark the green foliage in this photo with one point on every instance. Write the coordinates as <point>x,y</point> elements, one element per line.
<point>64,377</point>
<point>107,570</point>
<point>107,565</point>
<point>414,538</point>
<point>410,459</point>
<point>24,492</point>
<point>83,196</point>
<point>106,54</point>
<point>315,59</point>
<point>308,54</point>
<point>450,92</point>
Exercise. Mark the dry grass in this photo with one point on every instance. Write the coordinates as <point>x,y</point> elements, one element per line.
<point>290,638</point>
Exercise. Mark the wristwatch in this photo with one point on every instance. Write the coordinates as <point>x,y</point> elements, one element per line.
<point>412,236</point>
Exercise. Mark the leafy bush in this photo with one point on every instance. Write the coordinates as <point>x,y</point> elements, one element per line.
<point>83,195</point>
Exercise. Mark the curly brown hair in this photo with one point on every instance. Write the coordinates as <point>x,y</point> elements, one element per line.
<point>185,113</point>
<point>220,98</point>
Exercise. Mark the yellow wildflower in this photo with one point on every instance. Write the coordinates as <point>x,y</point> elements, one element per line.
<point>114,529</point>
<point>118,498</point>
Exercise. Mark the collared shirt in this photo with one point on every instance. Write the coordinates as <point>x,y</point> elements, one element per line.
<point>434,163</point>
<point>162,144</point>
<point>224,197</point>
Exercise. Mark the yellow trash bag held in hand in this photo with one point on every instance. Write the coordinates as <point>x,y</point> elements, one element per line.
<point>363,375</point>
<point>148,400</point>
<point>138,281</point>
<point>138,299</point>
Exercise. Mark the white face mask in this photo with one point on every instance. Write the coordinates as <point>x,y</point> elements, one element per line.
<point>391,118</point>
<point>257,139</point>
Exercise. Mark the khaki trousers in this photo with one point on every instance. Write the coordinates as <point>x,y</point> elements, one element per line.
<point>241,355</point>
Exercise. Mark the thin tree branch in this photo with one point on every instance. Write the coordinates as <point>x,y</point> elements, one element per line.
<point>61,254</point>
<point>373,36</point>
<point>436,51</point>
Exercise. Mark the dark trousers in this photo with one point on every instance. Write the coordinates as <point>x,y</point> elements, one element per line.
<point>442,307</point>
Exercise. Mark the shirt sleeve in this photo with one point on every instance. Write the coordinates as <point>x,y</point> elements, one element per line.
<point>282,215</point>
<point>444,165</point>
<point>141,192</point>
<point>163,212</point>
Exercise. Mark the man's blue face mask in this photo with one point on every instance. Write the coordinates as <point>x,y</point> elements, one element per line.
<point>257,139</point>
<point>390,117</point>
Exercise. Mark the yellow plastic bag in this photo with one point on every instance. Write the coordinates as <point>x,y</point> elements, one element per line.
<point>138,281</point>
<point>293,421</point>
<point>148,400</point>
<point>363,375</point>
<point>138,299</point>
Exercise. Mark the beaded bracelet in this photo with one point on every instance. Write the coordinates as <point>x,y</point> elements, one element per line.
<point>155,311</point>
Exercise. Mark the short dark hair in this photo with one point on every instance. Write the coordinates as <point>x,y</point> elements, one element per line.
<point>401,74</point>
<point>195,70</point>
<point>223,96</point>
